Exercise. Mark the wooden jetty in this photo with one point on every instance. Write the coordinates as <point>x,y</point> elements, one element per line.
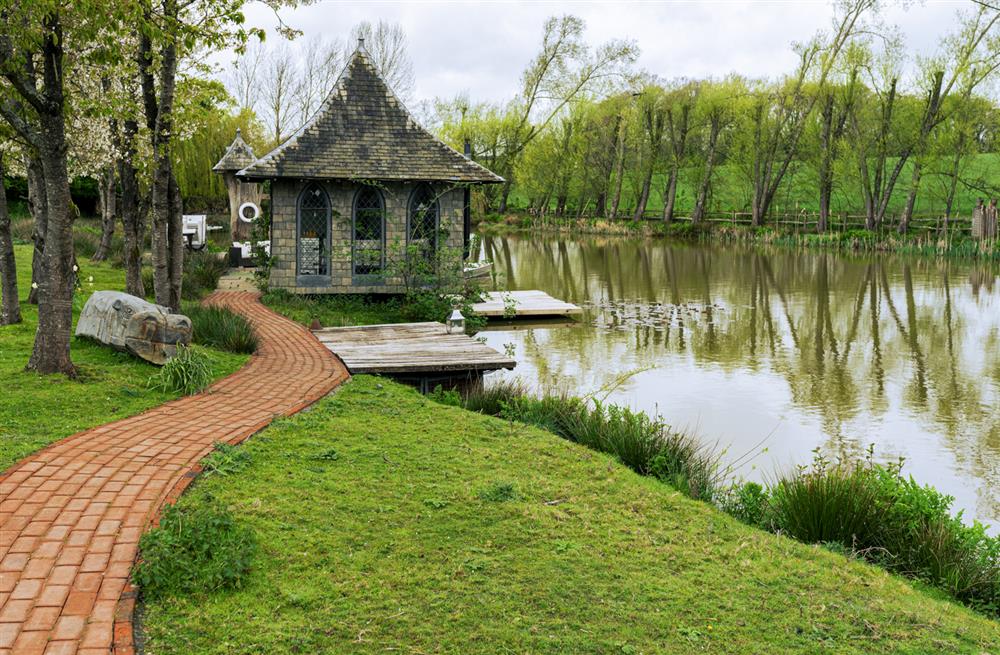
<point>421,353</point>
<point>523,303</point>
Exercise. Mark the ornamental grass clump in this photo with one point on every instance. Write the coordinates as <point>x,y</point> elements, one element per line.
<point>186,373</point>
<point>196,549</point>
<point>220,327</point>
<point>875,512</point>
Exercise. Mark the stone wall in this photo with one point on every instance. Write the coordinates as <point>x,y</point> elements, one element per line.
<point>396,195</point>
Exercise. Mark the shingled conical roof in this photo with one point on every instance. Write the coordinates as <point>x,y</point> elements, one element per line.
<point>239,155</point>
<point>362,131</point>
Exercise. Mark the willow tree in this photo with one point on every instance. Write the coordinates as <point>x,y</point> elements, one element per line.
<point>778,117</point>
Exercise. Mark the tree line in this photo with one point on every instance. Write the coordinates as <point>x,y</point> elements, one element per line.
<point>843,130</point>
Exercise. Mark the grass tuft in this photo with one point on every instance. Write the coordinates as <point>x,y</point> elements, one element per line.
<point>186,373</point>
<point>220,327</point>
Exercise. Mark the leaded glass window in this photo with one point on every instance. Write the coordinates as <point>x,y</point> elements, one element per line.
<point>369,232</point>
<point>314,232</point>
<point>423,218</point>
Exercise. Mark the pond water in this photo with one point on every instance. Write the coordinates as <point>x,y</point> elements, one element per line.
<point>776,352</point>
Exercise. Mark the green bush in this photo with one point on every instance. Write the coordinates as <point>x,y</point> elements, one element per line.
<point>220,327</point>
<point>187,372</point>
<point>194,550</point>
<point>85,243</point>
<point>890,520</point>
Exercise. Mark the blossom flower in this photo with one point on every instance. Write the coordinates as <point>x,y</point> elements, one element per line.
<point>75,268</point>
<point>34,285</point>
<point>90,278</point>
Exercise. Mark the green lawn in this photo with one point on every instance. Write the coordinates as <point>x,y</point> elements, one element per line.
<point>37,410</point>
<point>379,533</point>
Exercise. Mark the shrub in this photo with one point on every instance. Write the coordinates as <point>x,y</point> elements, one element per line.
<point>197,549</point>
<point>747,502</point>
<point>187,372</point>
<point>872,510</point>
<point>222,328</point>
<point>85,243</point>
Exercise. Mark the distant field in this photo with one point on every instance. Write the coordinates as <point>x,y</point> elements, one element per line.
<point>731,193</point>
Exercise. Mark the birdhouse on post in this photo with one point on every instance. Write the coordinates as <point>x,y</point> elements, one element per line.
<point>239,155</point>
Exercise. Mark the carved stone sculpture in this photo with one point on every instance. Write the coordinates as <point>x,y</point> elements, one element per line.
<point>134,325</point>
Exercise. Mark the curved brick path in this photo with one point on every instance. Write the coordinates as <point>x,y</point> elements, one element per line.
<point>71,514</point>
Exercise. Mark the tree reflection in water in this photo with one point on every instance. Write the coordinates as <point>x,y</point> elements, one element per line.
<point>811,348</point>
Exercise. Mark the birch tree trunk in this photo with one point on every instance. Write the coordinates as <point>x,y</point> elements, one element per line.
<point>107,194</point>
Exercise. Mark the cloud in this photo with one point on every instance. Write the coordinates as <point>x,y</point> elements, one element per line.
<point>480,48</point>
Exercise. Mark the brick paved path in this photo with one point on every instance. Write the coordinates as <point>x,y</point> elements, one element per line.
<point>71,515</point>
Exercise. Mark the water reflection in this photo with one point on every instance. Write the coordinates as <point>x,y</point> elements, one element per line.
<point>807,349</point>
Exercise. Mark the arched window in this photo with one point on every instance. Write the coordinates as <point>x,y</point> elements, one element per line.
<point>368,242</point>
<point>313,238</point>
<point>423,219</point>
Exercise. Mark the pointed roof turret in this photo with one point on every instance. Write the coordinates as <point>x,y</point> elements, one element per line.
<point>362,131</point>
<point>238,156</point>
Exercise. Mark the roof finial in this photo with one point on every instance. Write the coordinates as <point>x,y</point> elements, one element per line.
<point>237,132</point>
<point>361,43</point>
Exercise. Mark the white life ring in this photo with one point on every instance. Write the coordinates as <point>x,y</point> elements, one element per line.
<point>253,208</point>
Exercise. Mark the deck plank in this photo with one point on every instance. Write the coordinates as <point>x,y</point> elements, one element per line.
<point>410,348</point>
<point>526,303</point>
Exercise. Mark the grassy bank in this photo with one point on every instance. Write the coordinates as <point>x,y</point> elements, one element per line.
<point>866,509</point>
<point>386,522</point>
<point>38,410</point>
<point>852,241</point>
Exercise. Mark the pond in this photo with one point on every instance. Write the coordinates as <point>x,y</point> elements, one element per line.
<point>773,354</point>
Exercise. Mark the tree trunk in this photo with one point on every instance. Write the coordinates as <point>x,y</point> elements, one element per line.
<point>825,162</point>
<point>504,194</point>
<point>133,214</point>
<point>911,199</point>
<point>10,309</point>
<point>647,181</point>
<point>40,215</point>
<point>107,194</point>
<point>670,196</point>
<point>176,237</point>
<point>602,205</point>
<point>619,175</point>
<point>55,293</point>
<point>706,179</point>
<point>167,241</point>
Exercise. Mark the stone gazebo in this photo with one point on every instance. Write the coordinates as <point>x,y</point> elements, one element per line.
<point>358,183</point>
<point>238,155</point>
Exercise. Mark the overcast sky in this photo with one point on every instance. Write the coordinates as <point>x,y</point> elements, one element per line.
<point>482,47</point>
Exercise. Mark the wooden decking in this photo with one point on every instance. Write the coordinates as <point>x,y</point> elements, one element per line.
<point>524,303</point>
<point>410,348</point>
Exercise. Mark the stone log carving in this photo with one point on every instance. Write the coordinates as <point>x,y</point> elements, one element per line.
<point>134,325</point>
